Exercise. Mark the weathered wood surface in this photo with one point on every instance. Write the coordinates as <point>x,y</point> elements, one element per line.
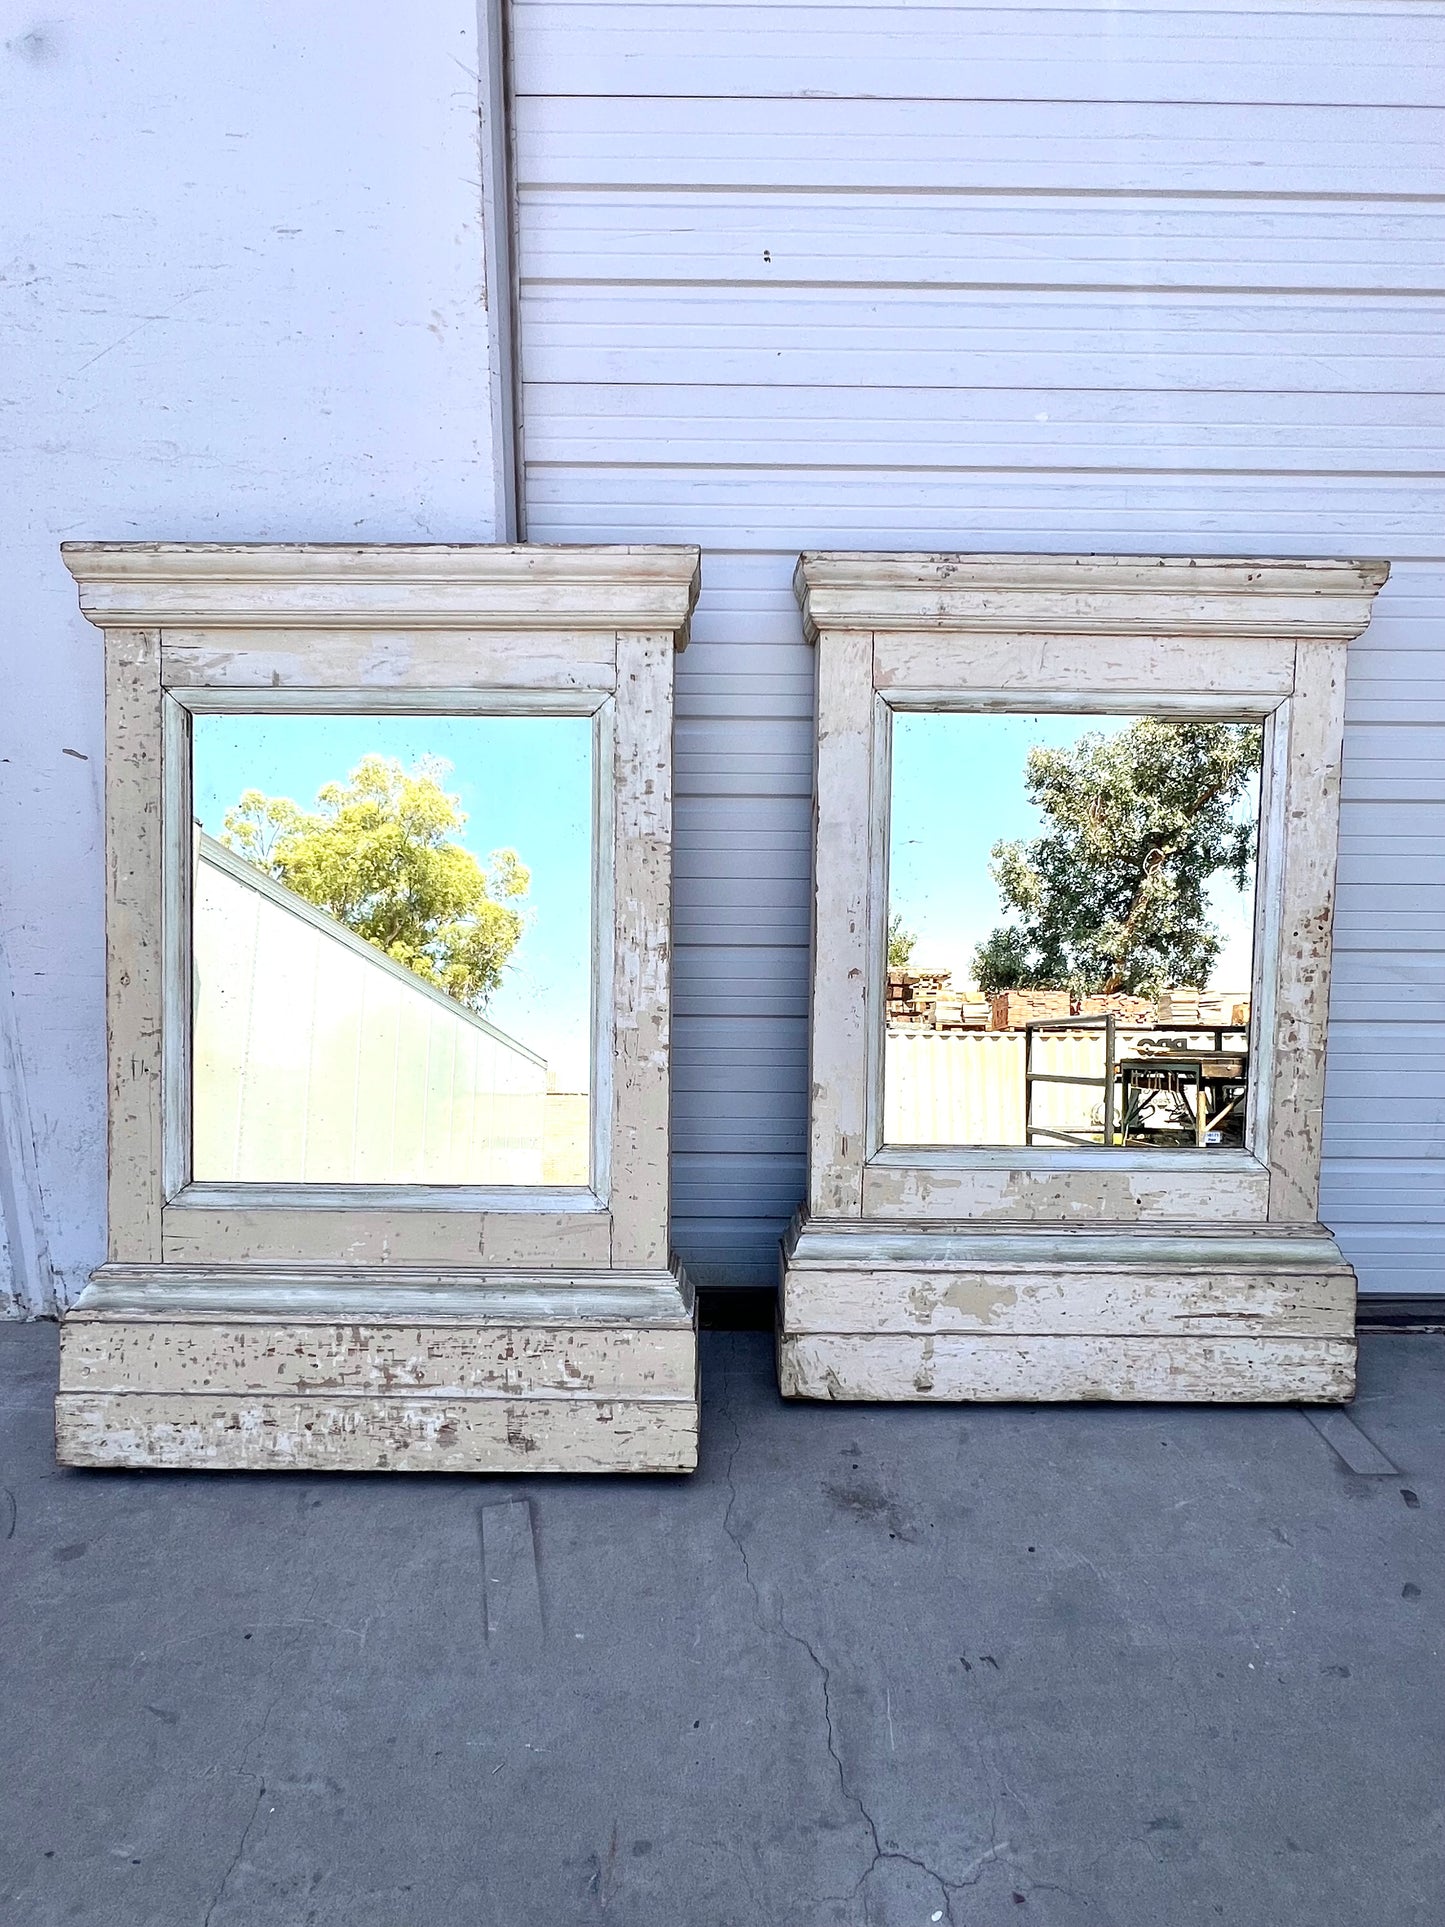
<point>403,1294</point>
<point>134,969</point>
<point>1305,888</point>
<point>209,1432</point>
<point>198,1234</point>
<point>1083,664</point>
<point>153,1354</point>
<point>931,1189</point>
<point>1096,1303</point>
<point>960,1368</point>
<point>1028,595</point>
<point>837,1140</point>
<point>217,585</point>
<point>398,659</point>
<point>371,1370</point>
<point>642,953</point>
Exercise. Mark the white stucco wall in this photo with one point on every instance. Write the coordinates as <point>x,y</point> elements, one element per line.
<point>241,292</point>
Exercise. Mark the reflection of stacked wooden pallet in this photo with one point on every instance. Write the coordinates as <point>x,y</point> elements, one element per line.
<point>1185,1005</point>
<point>927,1000</point>
<point>1012,1009</point>
<point>1129,1010</point>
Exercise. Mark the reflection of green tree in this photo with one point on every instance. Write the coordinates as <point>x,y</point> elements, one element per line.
<point>900,944</point>
<point>1112,897</point>
<point>377,854</point>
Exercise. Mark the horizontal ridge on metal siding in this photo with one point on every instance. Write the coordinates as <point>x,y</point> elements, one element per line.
<point>1099,277</point>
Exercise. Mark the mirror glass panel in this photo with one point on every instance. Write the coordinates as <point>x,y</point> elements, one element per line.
<point>392,941</point>
<point>1071,930</point>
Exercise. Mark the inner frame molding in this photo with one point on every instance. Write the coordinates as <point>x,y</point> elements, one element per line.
<point>384,1327</point>
<point>1079,1272</point>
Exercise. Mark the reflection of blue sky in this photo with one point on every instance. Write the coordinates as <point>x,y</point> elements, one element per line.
<point>958,788</point>
<point>525,783</point>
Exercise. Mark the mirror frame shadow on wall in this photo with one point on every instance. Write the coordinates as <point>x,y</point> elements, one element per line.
<point>957,1272</point>
<point>384,1326</point>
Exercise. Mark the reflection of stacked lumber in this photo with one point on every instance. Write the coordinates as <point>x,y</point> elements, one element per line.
<point>1188,1006</point>
<point>1223,1007</point>
<point>1117,1003</point>
<point>1012,1009</point>
<point>927,1000</point>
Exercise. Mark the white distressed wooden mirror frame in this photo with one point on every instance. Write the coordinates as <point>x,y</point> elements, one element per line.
<point>1080,1272</point>
<point>384,1327</point>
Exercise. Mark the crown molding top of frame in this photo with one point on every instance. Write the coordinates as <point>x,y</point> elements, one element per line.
<point>324,585</point>
<point>1102,595</point>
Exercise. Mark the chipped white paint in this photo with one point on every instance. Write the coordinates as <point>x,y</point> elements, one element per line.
<point>1118,1367</point>
<point>837,1113</point>
<point>851,1278</point>
<point>341,628</point>
<point>396,1433</point>
<point>1225,638</point>
<point>900,1184</point>
<point>133,972</point>
<point>1306,910</point>
<point>642,950</point>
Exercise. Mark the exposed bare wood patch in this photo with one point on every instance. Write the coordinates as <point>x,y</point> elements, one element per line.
<point>194,1431</point>
<point>1119,1367</point>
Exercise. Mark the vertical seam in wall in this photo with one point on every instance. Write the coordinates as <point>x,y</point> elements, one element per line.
<point>497,161</point>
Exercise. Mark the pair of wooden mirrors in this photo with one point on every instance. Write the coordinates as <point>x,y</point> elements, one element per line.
<point>389,1093</point>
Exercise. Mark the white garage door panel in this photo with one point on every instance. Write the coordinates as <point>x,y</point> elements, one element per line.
<point>972,53</point>
<point>1004,145</point>
<point>1104,277</point>
<point>794,428</point>
<point>1173,513</point>
<point>899,338</point>
<point>650,237</point>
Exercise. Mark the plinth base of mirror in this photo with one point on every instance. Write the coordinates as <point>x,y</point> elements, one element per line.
<point>969,1313</point>
<point>231,1368</point>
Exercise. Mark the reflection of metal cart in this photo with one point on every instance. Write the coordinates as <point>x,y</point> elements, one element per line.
<point>1167,1091</point>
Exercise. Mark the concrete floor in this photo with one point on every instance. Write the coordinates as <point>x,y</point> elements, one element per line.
<point>1108,1667</point>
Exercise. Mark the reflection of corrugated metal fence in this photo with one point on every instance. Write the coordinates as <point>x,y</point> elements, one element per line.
<point>967,1087</point>
<point>318,1059</point>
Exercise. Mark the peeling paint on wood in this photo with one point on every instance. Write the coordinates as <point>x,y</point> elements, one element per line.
<point>837,1143</point>
<point>1098,1195</point>
<point>642,959</point>
<point>1117,1367</point>
<point>197,1432</point>
<point>133,976</point>
<point>893,1299</point>
<point>1306,897</point>
<point>489,1359</point>
<point>279,1234</point>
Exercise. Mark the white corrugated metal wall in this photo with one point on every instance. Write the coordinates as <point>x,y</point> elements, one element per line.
<point>1100,277</point>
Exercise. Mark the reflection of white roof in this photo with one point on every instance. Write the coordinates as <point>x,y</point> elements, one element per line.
<point>208,850</point>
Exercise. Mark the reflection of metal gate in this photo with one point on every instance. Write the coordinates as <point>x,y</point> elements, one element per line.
<point>1171,1094</point>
